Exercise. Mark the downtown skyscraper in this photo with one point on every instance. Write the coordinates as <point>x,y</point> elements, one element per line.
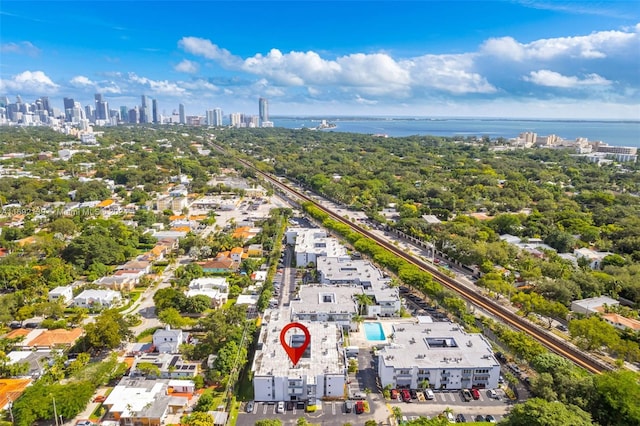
<point>263,109</point>
<point>102,108</point>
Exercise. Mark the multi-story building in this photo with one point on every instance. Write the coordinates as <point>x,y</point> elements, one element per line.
<point>237,119</point>
<point>311,243</point>
<point>68,108</point>
<point>154,111</point>
<point>263,108</point>
<point>343,270</point>
<point>210,117</point>
<point>440,354</point>
<point>183,116</point>
<point>217,117</point>
<point>102,108</point>
<point>321,372</point>
<point>333,303</point>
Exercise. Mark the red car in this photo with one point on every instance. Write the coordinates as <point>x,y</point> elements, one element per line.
<point>394,394</point>
<point>475,393</point>
<point>359,407</point>
<point>406,396</point>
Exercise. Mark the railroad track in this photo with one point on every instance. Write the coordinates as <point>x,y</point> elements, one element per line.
<point>548,340</point>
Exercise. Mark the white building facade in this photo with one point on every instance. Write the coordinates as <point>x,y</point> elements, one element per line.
<point>441,354</point>
<point>321,372</point>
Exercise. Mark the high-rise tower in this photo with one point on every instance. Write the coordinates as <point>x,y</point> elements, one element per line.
<point>217,117</point>
<point>102,108</point>
<point>263,108</point>
<point>183,118</point>
<point>154,107</point>
<point>68,108</point>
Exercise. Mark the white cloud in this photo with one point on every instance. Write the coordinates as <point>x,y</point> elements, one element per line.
<point>375,74</point>
<point>22,48</point>
<point>81,80</point>
<point>553,79</point>
<point>204,48</point>
<point>159,87</point>
<point>593,46</point>
<point>449,73</point>
<point>187,66</point>
<point>29,82</point>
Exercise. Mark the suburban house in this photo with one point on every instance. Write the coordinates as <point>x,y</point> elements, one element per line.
<point>237,254</point>
<point>61,293</point>
<point>594,258</point>
<point>139,401</point>
<point>40,338</point>
<point>119,282</point>
<point>592,305</point>
<point>166,340</point>
<point>97,298</point>
<point>219,265</point>
<point>254,250</point>
<point>170,366</point>
<point>216,288</point>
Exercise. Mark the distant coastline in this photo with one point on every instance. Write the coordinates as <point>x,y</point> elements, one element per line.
<point>613,132</point>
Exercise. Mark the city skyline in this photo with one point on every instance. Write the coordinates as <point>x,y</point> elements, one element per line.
<point>522,59</point>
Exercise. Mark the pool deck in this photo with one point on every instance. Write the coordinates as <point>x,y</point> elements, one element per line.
<point>359,338</point>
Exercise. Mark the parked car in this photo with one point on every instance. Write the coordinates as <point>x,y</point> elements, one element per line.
<point>475,393</point>
<point>501,379</point>
<point>348,406</point>
<point>406,396</point>
<point>428,393</point>
<point>289,405</point>
<point>413,393</point>
<point>489,418</point>
<point>479,418</point>
<point>450,417</point>
<point>491,393</point>
<point>460,418</point>
<point>562,327</point>
<point>359,395</point>
<point>394,394</point>
<point>466,395</point>
<point>249,407</point>
<point>359,407</point>
<point>280,407</point>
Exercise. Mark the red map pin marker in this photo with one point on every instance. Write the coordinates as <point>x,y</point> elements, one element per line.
<point>295,352</point>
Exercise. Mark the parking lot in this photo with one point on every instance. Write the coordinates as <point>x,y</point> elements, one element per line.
<point>453,400</point>
<point>331,413</point>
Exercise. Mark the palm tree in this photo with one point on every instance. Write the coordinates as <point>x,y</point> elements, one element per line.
<point>363,301</point>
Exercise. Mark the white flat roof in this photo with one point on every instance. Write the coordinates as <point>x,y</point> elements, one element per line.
<point>326,298</point>
<point>436,345</point>
<point>325,355</point>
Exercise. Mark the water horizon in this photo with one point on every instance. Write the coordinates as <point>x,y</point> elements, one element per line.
<point>612,132</point>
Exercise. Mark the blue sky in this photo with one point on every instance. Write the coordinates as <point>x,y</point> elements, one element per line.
<point>540,59</point>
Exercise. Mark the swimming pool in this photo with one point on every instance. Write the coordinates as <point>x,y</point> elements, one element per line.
<point>373,331</point>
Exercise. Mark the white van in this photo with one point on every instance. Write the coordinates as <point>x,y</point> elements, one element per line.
<point>428,393</point>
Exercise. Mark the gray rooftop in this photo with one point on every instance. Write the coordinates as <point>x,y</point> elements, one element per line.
<point>326,298</point>
<point>344,270</point>
<point>325,356</point>
<point>436,345</point>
